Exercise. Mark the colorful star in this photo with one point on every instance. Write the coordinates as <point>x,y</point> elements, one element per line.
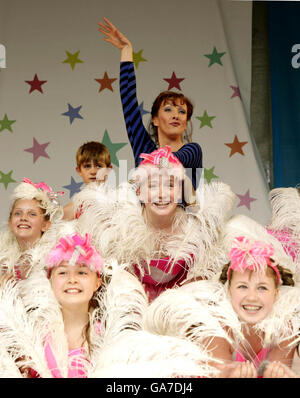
<point>137,58</point>
<point>236,92</point>
<point>36,84</point>
<point>209,174</point>
<point>38,150</point>
<point>142,110</point>
<point>236,146</point>
<point>6,178</point>
<point>215,57</point>
<point>174,81</point>
<point>74,187</point>
<point>106,82</point>
<point>205,120</point>
<point>6,124</point>
<point>73,113</point>
<point>245,200</point>
<point>113,148</point>
<point>72,59</point>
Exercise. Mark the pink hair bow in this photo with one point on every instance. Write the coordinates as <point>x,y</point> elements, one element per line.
<point>161,157</point>
<point>39,185</point>
<point>44,187</point>
<point>75,250</point>
<point>254,256</point>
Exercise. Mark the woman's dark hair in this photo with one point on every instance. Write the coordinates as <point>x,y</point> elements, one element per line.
<point>161,99</point>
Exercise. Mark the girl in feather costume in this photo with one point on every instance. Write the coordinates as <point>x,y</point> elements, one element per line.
<point>166,232</point>
<point>63,325</point>
<point>249,316</point>
<point>34,212</point>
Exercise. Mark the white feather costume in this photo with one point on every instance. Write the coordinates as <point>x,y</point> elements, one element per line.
<point>10,251</point>
<point>29,312</point>
<point>199,311</point>
<point>202,310</point>
<point>285,221</point>
<point>115,220</point>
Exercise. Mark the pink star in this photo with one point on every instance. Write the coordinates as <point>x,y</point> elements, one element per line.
<point>174,81</point>
<point>245,200</point>
<point>38,150</point>
<point>236,92</point>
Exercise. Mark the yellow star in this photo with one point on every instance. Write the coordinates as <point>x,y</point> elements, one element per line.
<point>137,58</point>
<point>72,59</point>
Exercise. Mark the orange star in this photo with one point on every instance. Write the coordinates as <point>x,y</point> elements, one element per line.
<point>106,82</point>
<point>236,146</point>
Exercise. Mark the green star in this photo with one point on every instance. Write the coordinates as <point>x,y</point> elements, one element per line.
<point>6,124</point>
<point>6,178</point>
<point>72,59</point>
<point>215,57</point>
<point>137,58</point>
<point>209,174</point>
<point>113,148</point>
<point>205,120</point>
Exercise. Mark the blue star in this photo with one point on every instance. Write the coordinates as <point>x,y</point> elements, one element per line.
<point>142,110</point>
<point>74,187</point>
<point>73,113</point>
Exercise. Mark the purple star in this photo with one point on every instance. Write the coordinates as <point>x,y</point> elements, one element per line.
<point>73,113</point>
<point>38,150</point>
<point>74,187</point>
<point>142,110</point>
<point>245,200</point>
<point>236,92</point>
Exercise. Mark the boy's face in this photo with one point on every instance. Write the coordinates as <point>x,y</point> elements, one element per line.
<point>88,170</point>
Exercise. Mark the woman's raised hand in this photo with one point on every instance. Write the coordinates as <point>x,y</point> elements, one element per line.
<point>113,35</point>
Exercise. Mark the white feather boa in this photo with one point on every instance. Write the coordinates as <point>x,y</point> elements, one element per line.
<point>29,311</point>
<point>115,220</point>
<point>285,204</point>
<point>202,310</point>
<point>126,350</point>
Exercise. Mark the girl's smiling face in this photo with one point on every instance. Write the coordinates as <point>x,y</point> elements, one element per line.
<point>74,284</point>
<point>27,221</point>
<point>161,193</point>
<point>253,294</point>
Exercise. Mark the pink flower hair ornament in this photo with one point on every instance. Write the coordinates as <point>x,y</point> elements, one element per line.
<point>75,250</point>
<point>42,186</point>
<point>255,256</point>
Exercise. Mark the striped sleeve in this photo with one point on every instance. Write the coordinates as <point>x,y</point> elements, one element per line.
<point>138,136</point>
<point>190,155</point>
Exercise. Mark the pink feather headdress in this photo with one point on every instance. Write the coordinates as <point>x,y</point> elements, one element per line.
<point>252,255</point>
<point>162,158</point>
<point>75,250</point>
<point>42,186</point>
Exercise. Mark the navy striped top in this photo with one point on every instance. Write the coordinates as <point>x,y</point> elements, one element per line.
<point>190,155</point>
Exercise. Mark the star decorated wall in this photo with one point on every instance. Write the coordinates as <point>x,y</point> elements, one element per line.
<point>60,88</point>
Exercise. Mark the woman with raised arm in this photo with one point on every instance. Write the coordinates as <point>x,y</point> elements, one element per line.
<point>170,114</point>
